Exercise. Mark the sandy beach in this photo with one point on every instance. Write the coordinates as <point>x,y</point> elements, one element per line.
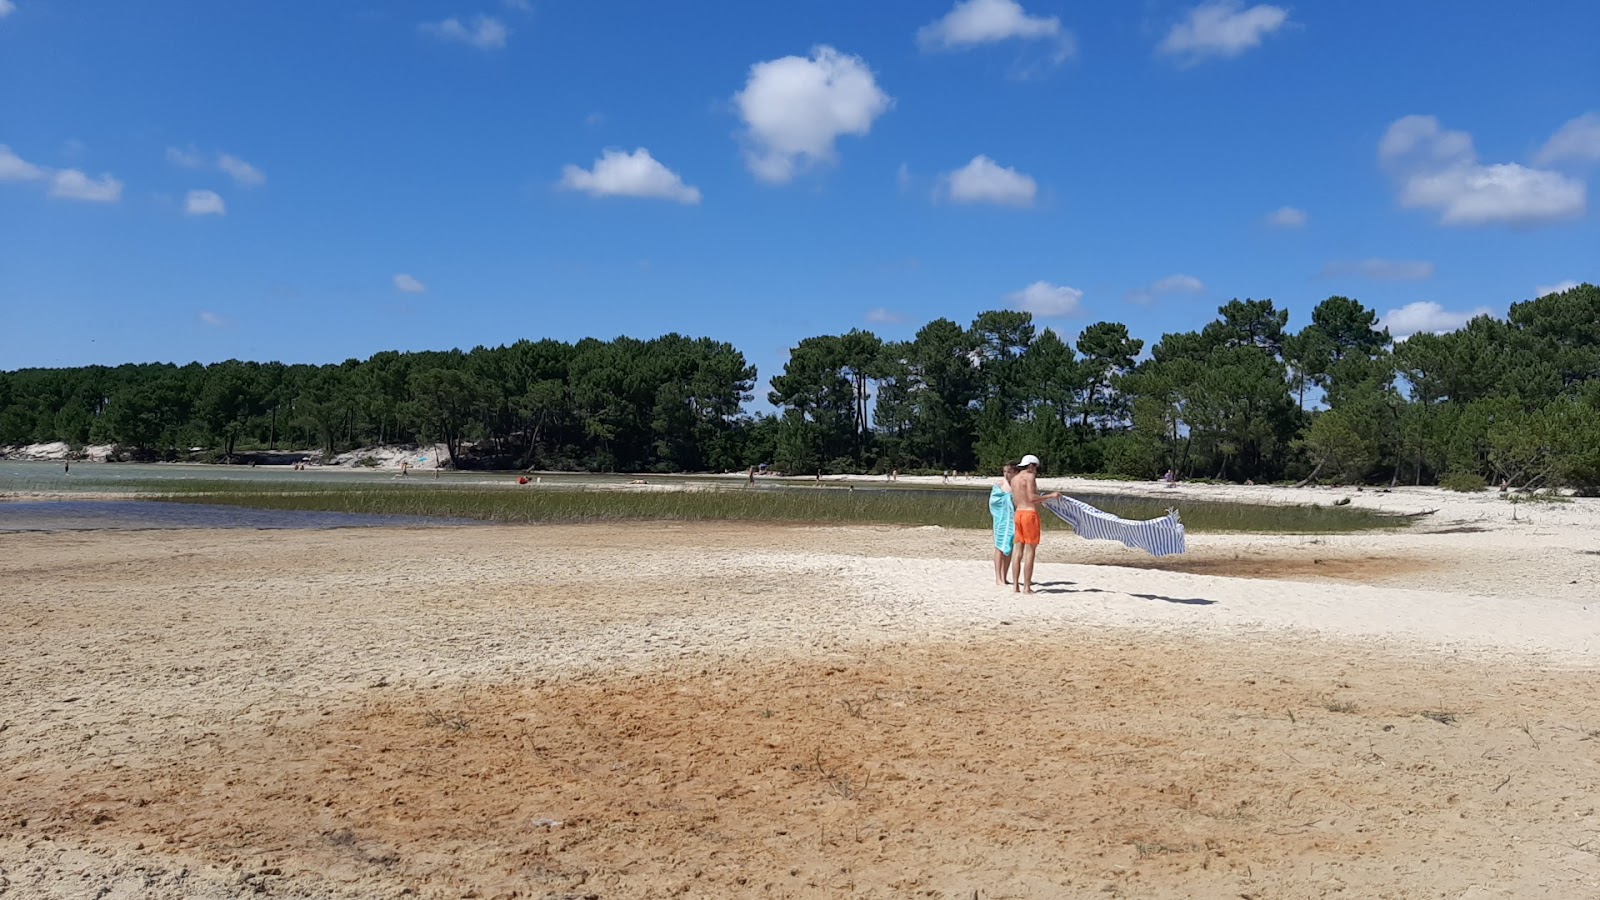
<point>717,711</point>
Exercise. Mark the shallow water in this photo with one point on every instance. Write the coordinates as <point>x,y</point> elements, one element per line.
<point>140,515</point>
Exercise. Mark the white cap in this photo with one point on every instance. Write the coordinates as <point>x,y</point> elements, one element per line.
<point>1029,460</point>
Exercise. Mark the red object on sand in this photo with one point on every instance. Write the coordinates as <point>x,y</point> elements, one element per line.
<point>522,479</point>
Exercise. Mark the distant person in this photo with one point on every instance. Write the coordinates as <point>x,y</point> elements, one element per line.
<point>66,466</point>
<point>894,474</point>
<point>1025,495</point>
<point>750,476</point>
<point>1170,478</point>
<point>1004,513</point>
<point>404,466</point>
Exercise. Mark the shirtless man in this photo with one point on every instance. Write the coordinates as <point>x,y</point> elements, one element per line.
<point>1025,494</point>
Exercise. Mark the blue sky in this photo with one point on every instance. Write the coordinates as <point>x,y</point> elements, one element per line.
<point>310,182</point>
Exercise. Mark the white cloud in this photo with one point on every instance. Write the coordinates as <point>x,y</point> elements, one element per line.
<point>7,8</point>
<point>795,108</point>
<point>204,203</point>
<point>70,184</point>
<point>212,319</point>
<point>74,185</point>
<point>881,316</point>
<point>1380,269</point>
<point>636,174</point>
<point>1439,169</point>
<point>1178,284</point>
<point>973,22</point>
<point>484,32</point>
<point>902,178</point>
<point>15,168</point>
<point>1577,141</point>
<point>1427,316</point>
<point>594,119</point>
<point>985,181</point>
<point>243,173</point>
<point>1048,300</point>
<point>1223,28</point>
<point>406,284</point>
<point>190,158</point>
<point>1287,217</point>
<point>1172,284</point>
<point>1559,287</point>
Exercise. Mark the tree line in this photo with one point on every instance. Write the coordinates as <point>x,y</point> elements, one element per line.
<point>1243,398</point>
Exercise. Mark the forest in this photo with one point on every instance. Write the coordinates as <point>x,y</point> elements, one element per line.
<point>1514,400</point>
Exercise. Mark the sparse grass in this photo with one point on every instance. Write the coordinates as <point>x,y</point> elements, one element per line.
<point>955,508</point>
<point>1148,851</point>
<point>843,783</point>
<point>1337,706</point>
<point>1527,730</point>
<point>1443,717</point>
<point>453,721</point>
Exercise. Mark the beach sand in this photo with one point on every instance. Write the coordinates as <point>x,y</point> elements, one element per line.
<point>714,711</point>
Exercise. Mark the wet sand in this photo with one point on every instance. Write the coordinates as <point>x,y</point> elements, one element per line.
<point>707,711</point>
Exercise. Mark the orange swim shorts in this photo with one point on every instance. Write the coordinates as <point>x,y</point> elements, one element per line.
<point>1028,526</point>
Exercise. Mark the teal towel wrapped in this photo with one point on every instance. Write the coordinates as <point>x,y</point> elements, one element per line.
<point>1005,521</point>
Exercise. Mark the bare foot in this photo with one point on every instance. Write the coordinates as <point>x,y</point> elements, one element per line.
<point>1028,590</point>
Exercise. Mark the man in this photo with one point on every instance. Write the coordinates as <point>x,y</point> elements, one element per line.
<point>1025,494</point>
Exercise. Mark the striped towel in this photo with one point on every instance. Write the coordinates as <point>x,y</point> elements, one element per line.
<point>1158,537</point>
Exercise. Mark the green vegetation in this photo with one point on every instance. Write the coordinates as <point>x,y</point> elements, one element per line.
<point>819,505</point>
<point>1464,482</point>
<point>1243,398</point>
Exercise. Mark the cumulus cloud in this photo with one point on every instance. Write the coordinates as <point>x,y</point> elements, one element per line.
<point>795,108</point>
<point>74,185</point>
<point>1559,287</point>
<point>15,168</point>
<point>406,284</point>
<point>1427,316</point>
<point>204,203</point>
<point>483,32</point>
<point>971,23</point>
<point>1438,169</point>
<point>213,320</point>
<point>1172,284</point>
<point>243,173</point>
<point>70,184</point>
<point>1049,301</point>
<point>985,181</point>
<point>636,174</point>
<point>1576,141</point>
<point>881,316</point>
<point>190,158</point>
<point>1287,217</point>
<point>1223,29</point>
<point>1380,269</point>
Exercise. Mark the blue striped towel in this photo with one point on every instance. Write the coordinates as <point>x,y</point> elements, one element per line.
<point>1158,537</point>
